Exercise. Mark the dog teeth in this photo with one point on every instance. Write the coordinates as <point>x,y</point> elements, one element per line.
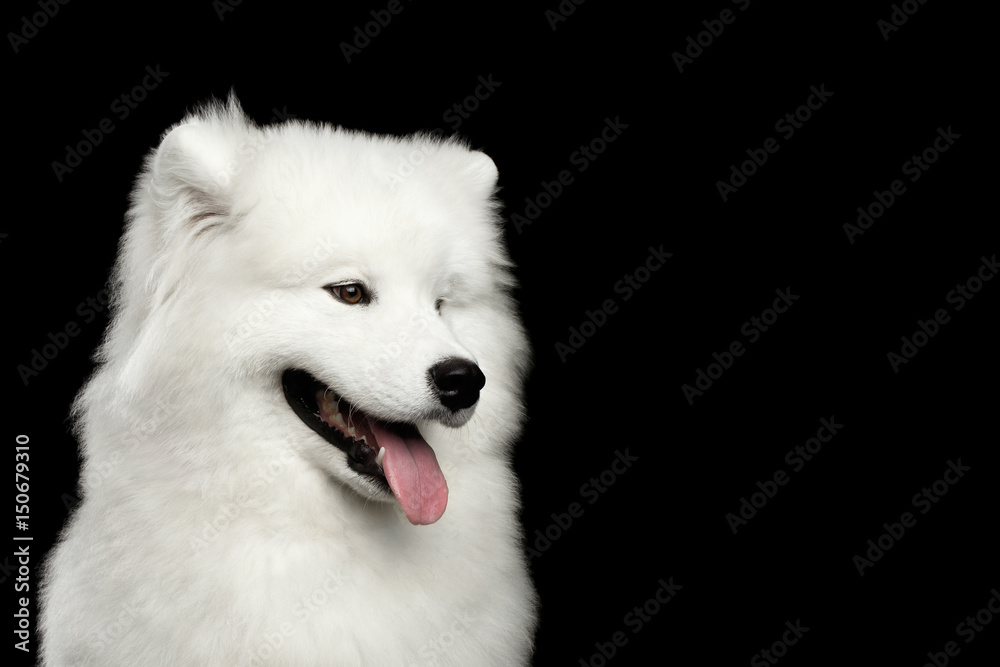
<point>329,412</point>
<point>381,455</point>
<point>328,403</point>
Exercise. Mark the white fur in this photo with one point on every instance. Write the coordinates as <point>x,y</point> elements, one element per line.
<point>215,527</point>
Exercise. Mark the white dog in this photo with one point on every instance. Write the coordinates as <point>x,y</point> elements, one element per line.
<point>313,352</point>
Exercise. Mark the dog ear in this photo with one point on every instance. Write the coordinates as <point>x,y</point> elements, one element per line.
<point>482,174</point>
<point>192,174</point>
<point>187,188</point>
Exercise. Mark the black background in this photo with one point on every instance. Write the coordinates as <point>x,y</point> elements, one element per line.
<point>655,185</point>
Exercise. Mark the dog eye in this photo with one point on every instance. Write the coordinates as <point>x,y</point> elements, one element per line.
<point>438,304</point>
<point>350,293</point>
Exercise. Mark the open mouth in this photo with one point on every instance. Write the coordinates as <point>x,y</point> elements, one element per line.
<point>391,454</point>
<point>335,420</point>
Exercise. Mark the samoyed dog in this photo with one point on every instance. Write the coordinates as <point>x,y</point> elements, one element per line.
<point>296,445</point>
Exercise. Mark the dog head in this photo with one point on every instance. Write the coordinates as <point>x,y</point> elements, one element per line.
<point>359,279</point>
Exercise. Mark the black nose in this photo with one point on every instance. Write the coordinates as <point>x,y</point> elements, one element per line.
<point>456,382</point>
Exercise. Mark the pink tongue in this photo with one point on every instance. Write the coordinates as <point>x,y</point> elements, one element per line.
<point>413,474</point>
